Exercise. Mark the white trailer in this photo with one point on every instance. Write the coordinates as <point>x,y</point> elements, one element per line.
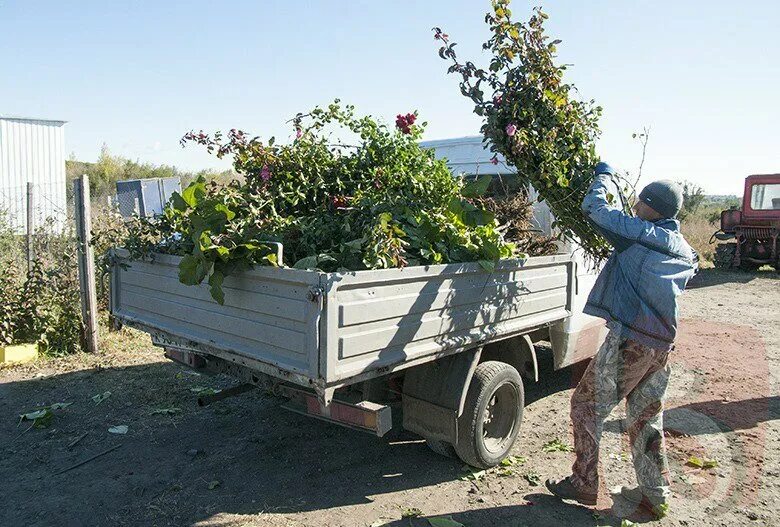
<point>446,346</point>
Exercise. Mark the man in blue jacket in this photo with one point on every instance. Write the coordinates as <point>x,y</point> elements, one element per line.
<point>636,292</point>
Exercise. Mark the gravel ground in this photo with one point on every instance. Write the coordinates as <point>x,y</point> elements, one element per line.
<point>245,461</point>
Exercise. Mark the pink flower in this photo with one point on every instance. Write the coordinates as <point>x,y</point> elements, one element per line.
<point>405,122</point>
<point>265,173</point>
<point>511,129</point>
<point>494,159</point>
<point>497,100</point>
<point>298,133</point>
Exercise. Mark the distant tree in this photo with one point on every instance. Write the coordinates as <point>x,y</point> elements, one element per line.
<point>108,169</point>
<point>693,197</point>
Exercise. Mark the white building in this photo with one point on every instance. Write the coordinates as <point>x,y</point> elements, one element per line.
<point>32,150</point>
<point>469,156</point>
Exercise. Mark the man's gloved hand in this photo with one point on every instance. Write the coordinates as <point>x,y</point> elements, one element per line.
<point>604,168</point>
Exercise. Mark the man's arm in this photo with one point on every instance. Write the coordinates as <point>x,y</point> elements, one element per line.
<point>601,208</point>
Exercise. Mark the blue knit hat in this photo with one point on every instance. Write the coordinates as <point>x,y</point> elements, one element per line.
<point>664,196</point>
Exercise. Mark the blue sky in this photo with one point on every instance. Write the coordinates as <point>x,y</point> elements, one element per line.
<point>704,75</point>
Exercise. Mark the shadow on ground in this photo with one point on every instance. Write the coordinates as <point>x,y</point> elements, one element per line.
<point>538,510</point>
<point>243,455</point>
<point>263,458</point>
<point>712,277</point>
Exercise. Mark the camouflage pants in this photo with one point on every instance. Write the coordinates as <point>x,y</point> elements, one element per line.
<point>623,369</point>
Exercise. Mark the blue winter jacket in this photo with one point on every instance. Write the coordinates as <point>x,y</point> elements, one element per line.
<point>649,268</point>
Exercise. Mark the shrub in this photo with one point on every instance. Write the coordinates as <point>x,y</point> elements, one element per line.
<point>531,116</point>
<point>41,306</point>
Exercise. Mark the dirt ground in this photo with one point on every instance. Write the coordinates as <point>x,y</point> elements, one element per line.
<point>245,461</point>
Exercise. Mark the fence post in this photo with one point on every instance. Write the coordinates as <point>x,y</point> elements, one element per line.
<point>86,263</point>
<point>30,226</point>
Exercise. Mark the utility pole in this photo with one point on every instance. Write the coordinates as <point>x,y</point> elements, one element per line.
<point>30,226</point>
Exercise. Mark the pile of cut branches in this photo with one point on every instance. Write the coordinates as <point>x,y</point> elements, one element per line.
<point>380,201</point>
<point>532,118</point>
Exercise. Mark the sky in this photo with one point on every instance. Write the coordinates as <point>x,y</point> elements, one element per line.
<point>704,76</point>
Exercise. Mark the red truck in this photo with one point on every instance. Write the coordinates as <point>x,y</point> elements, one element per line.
<point>751,232</point>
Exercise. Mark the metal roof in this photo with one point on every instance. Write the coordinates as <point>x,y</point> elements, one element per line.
<point>38,119</point>
<point>468,155</point>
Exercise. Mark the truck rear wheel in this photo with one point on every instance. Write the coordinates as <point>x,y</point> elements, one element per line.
<point>492,415</point>
<point>724,255</point>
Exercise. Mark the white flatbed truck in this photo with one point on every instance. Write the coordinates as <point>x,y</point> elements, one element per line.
<point>446,345</point>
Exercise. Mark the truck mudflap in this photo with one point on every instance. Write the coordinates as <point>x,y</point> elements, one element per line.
<point>434,394</point>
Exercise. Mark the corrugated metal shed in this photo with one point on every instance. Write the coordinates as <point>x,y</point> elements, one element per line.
<point>468,155</point>
<point>32,150</point>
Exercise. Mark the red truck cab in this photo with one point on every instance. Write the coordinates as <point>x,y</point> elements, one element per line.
<point>754,228</point>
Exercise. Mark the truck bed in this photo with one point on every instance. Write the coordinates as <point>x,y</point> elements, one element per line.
<point>332,329</point>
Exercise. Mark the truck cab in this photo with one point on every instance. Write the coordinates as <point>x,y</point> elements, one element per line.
<point>751,232</point>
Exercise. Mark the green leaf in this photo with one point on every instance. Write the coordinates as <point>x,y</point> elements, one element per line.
<point>710,463</point>
<point>473,475</point>
<point>477,217</point>
<point>488,265</point>
<point>411,512</point>
<point>661,511</point>
<point>215,283</point>
<point>32,416</point>
<point>100,397</point>
<point>478,187</point>
<point>223,253</point>
<point>533,478</point>
<point>556,445</point>
<point>229,214</point>
<point>194,192</point>
<point>192,269</point>
<point>695,461</point>
<point>214,484</point>
<point>702,463</point>
<point>166,411</point>
<point>310,262</point>
<point>177,202</point>
<point>201,391</point>
<point>510,461</point>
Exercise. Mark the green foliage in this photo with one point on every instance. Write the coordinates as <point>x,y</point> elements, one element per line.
<point>381,203</point>
<point>41,306</point>
<point>531,116</point>
<point>556,445</point>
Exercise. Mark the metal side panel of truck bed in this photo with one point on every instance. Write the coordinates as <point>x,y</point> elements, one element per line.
<point>331,329</point>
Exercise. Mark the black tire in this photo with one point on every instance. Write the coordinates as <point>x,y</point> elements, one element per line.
<point>443,448</point>
<point>724,255</point>
<point>492,415</point>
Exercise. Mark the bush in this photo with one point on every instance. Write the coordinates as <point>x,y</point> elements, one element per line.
<point>532,117</point>
<point>41,306</point>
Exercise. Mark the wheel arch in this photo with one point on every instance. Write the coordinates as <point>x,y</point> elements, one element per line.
<point>518,351</point>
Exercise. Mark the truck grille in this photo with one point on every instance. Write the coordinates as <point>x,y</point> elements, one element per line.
<point>757,233</point>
